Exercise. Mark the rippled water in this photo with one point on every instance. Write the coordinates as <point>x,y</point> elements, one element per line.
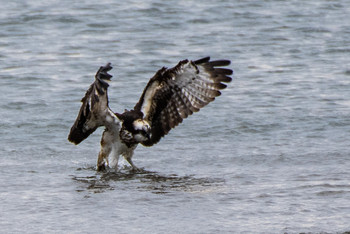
<point>270,155</point>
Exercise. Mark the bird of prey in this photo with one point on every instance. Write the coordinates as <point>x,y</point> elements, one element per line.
<point>170,96</point>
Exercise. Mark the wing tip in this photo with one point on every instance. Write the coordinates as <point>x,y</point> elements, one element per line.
<point>74,139</point>
<point>102,73</point>
<point>220,63</point>
<point>215,63</point>
<point>202,60</point>
<point>77,135</point>
<point>225,79</point>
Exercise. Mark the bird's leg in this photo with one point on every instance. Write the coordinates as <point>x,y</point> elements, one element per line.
<point>114,158</point>
<point>134,168</point>
<point>106,149</point>
<point>128,155</point>
<point>102,161</point>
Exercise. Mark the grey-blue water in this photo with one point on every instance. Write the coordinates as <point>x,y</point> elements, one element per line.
<point>271,155</point>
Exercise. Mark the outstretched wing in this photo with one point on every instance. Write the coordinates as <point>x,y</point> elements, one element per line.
<point>94,107</point>
<point>174,94</point>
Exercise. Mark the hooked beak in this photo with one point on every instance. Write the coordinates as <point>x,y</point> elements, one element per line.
<point>148,133</point>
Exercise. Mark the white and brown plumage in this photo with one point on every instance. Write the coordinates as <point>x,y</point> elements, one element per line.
<point>170,96</point>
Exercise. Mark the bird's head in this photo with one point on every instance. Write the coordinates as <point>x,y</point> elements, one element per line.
<point>142,130</point>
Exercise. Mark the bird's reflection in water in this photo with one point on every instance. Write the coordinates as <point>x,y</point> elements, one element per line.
<point>144,181</point>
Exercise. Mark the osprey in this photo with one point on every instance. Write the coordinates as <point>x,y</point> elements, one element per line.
<point>170,96</point>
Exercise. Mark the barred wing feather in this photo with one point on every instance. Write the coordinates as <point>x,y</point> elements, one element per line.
<point>174,94</point>
<point>94,105</point>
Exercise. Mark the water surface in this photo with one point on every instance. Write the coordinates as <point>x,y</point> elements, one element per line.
<point>270,155</point>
